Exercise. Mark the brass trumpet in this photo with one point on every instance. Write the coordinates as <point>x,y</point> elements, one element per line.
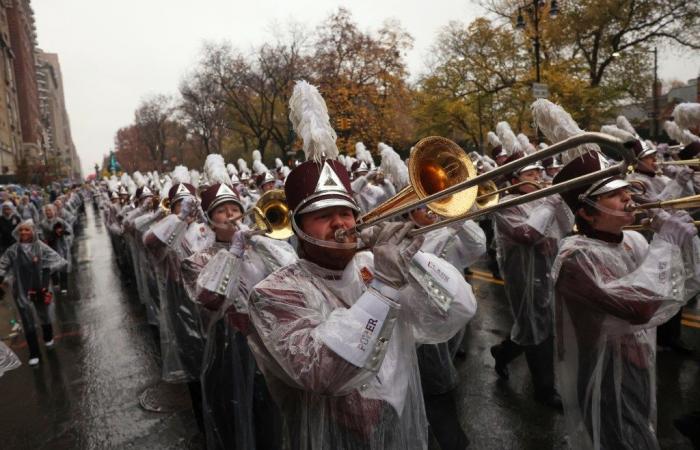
<point>273,206</point>
<point>164,205</point>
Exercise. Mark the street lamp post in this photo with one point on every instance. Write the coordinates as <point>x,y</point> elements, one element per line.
<point>655,97</point>
<point>534,11</point>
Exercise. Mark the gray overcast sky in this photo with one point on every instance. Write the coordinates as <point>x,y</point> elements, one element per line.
<point>113,53</point>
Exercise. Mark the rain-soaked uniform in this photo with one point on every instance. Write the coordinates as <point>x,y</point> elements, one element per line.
<point>527,237</point>
<point>136,250</point>
<point>169,242</point>
<point>460,244</point>
<point>339,357</point>
<point>659,187</point>
<point>238,410</point>
<point>30,265</point>
<point>611,294</point>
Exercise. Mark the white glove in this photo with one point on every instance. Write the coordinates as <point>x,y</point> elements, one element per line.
<point>239,240</point>
<point>671,171</point>
<point>392,252</point>
<point>187,207</point>
<point>684,175</point>
<point>555,201</point>
<point>675,229</point>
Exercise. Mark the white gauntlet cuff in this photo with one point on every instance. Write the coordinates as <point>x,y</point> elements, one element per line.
<point>360,335</point>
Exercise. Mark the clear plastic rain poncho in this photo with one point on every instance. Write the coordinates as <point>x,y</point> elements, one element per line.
<point>142,269</point>
<point>340,358</point>
<point>527,238</point>
<point>62,243</point>
<point>460,244</point>
<point>30,266</point>
<point>610,297</point>
<point>8,359</point>
<point>27,210</point>
<point>180,322</point>
<point>235,398</point>
<point>659,187</point>
<point>368,193</point>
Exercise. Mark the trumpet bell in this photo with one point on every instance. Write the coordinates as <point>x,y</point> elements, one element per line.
<point>273,205</point>
<point>435,164</point>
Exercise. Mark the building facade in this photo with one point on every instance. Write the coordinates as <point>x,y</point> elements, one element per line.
<point>10,129</point>
<point>62,159</point>
<point>20,19</point>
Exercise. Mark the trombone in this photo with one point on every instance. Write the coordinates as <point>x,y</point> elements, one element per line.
<point>646,226</point>
<point>442,177</point>
<point>689,202</point>
<point>680,162</point>
<point>488,194</point>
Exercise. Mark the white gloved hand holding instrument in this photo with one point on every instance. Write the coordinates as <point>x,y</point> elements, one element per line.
<point>677,229</point>
<point>392,251</point>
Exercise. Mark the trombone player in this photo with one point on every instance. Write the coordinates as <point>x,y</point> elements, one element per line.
<point>527,237</point>
<point>335,333</point>
<point>612,290</point>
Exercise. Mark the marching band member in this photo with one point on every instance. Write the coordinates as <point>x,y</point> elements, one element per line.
<point>335,333</point>
<point>58,235</point>
<point>612,290</point>
<point>527,236</point>
<point>373,188</point>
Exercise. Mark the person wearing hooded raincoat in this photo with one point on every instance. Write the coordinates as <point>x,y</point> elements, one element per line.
<point>527,238</point>
<point>27,210</point>
<point>612,290</point>
<point>9,219</point>
<point>58,235</point>
<point>30,263</point>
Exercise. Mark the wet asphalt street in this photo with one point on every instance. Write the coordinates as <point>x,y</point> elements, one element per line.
<point>85,393</point>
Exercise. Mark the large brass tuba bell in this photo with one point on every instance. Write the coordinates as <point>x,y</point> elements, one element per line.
<point>273,205</point>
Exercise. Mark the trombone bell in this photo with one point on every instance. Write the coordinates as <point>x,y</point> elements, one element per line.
<point>435,164</point>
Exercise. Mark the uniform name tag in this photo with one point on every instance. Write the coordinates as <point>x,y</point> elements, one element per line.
<point>434,268</point>
<point>355,339</point>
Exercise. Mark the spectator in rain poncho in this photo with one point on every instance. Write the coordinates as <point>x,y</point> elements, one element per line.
<point>27,210</point>
<point>8,222</point>
<point>59,236</point>
<point>30,263</point>
<point>8,359</point>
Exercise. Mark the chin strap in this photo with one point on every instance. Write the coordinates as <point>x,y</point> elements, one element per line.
<point>320,242</point>
<point>612,212</point>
